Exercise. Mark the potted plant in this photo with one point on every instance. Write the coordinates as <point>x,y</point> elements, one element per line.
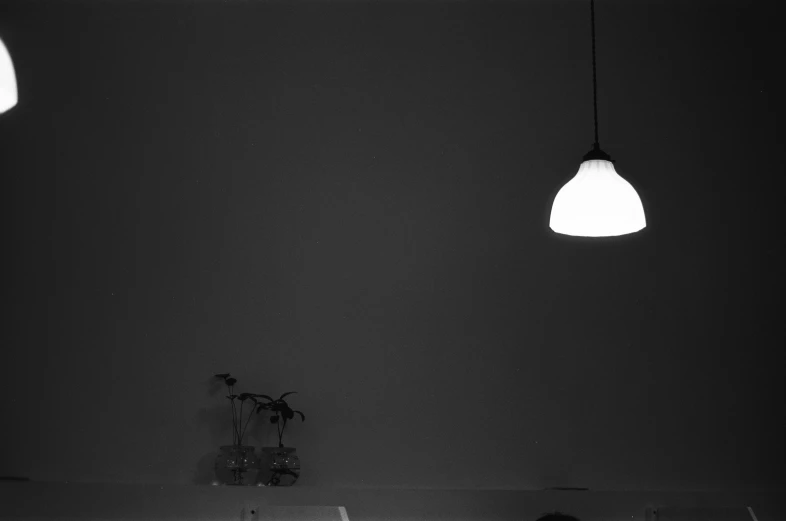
<point>281,463</point>
<point>238,459</point>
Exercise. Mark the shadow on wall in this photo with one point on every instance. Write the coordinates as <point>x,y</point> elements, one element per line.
<point>559,474</point>
<point>205,469</point>
<point>218,421</point>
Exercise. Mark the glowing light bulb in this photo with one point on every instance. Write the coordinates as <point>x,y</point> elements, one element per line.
<point>8,94</point>
<point>597,202</point>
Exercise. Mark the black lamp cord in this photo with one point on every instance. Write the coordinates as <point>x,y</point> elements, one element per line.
<point>596,153</point>
<point>594,74</point>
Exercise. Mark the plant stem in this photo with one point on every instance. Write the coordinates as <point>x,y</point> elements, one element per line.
<point>247,420</point>
<point>234,420</point>
<point>233,414</point>
<point>237,432</point>
<point>240,425</point>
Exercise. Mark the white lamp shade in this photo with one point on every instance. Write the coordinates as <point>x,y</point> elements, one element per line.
<point>8,95</point>
<point>597,202</point>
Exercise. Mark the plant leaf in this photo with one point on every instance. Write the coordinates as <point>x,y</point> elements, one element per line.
<point>274,419</point>
<point>222,375</point>
<point>264,396</point>
<point>285,394</point>
<point>303,418</point>
<point>243,396</point>
<point>232,396</point>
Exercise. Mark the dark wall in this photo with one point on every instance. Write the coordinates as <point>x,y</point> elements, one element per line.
<point>350,200</point>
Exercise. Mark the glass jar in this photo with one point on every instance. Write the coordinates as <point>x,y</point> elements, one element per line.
<point>279,466</point>
<point>237,465</point>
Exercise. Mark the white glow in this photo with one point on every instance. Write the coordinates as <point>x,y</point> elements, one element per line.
<point>8,95</point>
<point>597,202</point>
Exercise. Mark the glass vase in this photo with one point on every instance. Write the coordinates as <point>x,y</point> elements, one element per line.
<point>279,466</point>
<point>237,465</point>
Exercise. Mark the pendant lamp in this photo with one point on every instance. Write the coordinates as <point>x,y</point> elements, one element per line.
<point>8,96</point>
<point>597,202</point>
